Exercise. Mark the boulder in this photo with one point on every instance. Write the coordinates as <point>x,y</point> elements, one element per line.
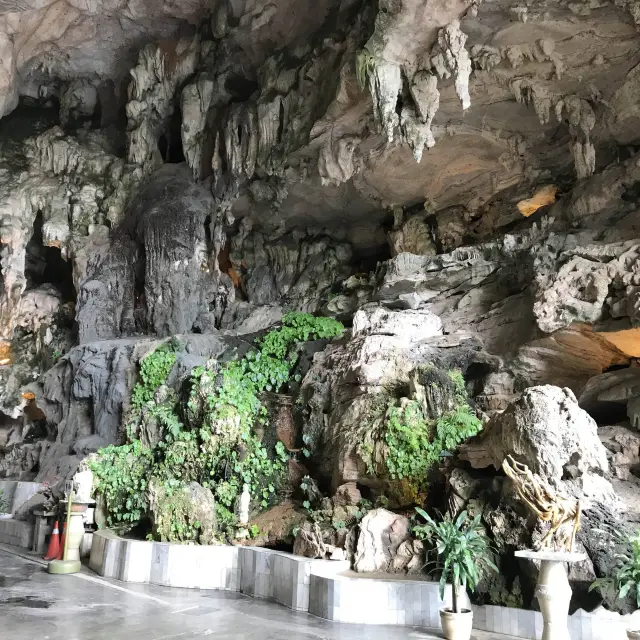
<point>623,449</point>
<point>346,392</point>
<point>410,557</point>
<point>381,534</point>
<point>308,542</point>
<point>277,526</point>
<point>347,494</point>
<point>545,429</point>
<point>186,514</point>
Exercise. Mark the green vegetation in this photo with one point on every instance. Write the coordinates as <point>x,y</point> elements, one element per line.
<point>365,65</point>
<point>121,475</point>
<point>213,440</point>
<point>415,443</point>
<point>462,550</point>
<point>625,577</point>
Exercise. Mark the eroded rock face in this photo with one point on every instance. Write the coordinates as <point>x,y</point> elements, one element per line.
<point>545,429</point>
<point>158,273</point>
<point>188,173</point>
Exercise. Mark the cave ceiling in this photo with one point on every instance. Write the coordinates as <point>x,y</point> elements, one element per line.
<point>552,93</point>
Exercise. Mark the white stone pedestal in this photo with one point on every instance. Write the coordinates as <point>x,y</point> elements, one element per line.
<point>75,532</point>
<point>553,591</point>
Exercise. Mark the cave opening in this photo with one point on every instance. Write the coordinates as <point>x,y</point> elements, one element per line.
<point>45,264</point>
<point>170,141</point>
<point>240,88</point>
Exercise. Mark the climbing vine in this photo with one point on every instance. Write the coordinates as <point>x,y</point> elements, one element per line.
<point>212,440</point>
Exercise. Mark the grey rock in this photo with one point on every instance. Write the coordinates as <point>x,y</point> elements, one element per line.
<point>546,430</point>
<point>308,542</point>
<point>381,534</point>
<point>177,279</point>
<point>183,508</point>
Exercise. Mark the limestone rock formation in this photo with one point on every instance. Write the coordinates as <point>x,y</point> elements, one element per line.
<point>381,535</point>
<point>546,430</point>
<point>456,181</point>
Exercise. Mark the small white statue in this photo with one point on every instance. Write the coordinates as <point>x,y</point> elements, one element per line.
<point>243,505</point>
<point>82,484</point>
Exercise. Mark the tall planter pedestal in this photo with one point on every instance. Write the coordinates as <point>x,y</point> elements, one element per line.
<point>553,591</point>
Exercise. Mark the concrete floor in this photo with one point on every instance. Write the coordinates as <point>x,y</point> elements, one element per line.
<point>37,606</point>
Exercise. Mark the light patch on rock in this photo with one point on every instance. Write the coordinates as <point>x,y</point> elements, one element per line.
<point>541,198</point>
<point>450,58</point>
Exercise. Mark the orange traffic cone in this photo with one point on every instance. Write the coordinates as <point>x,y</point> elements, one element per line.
<point>54,543</point>
<point>61,550</point>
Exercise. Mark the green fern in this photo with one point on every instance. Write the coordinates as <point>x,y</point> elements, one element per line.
<point>457,426</point>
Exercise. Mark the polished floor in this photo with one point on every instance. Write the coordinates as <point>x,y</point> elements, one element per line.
<point>37,606</point>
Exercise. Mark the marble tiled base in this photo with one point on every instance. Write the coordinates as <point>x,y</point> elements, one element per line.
<point>17,533</point>
<point>372,601</point>
<point>261,573</point>
<point>318,586</point>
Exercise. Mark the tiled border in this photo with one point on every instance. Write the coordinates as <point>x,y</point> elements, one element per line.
<point>318,587</point>
<point>17,533</point>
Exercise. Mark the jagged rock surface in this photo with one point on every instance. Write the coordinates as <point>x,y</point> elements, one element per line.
<point>545,429</point>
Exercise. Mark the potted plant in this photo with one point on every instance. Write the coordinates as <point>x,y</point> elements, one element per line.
<point>463,554</point>
<point>625,578</point>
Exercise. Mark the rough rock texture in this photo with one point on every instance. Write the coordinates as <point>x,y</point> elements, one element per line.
<point>381,534</point>
<point>84,398</point>
<point>191,510</point>
<point>457,181</point>
<point>158,273</point>
<point>548,431</point>
<point>347,389</point>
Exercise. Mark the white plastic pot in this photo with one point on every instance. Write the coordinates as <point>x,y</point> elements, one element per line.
<point>456,626</point>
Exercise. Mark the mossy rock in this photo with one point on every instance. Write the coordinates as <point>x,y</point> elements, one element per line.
<point>184,514</point>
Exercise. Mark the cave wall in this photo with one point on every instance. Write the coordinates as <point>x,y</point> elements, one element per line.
<point>455,181</point>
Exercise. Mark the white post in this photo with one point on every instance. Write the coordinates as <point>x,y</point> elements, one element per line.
<point>553,591</point>
<point>554,595</point>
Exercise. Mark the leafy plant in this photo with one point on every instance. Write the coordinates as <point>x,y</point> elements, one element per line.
<point>415,444</point>
<point>625,578</point>
<point>213,441</point>
<point>121,474</point>
<point>154,371</point>
<point>463,552</point>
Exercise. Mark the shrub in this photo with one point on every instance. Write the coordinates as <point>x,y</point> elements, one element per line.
<point>625,578</point>
<point>216,446</point>
<point>415,444</point>
<point>463,552</point>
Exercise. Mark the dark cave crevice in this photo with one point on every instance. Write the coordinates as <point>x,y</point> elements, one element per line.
<point>170,141</point>
<point>240,88</point>
<point>45,264</point>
